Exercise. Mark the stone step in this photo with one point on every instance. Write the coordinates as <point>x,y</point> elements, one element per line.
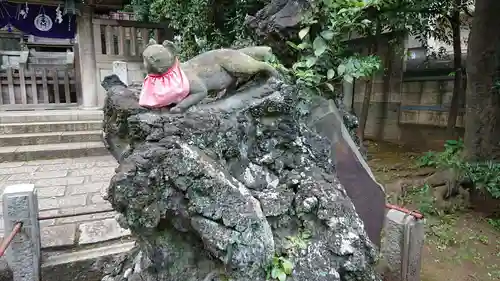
<point>49,137</point>
<point>45,127</point>
<point>52,151</point>
<point>50,116</point>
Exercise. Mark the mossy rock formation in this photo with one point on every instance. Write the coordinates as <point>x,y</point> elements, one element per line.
<point>219,191</point>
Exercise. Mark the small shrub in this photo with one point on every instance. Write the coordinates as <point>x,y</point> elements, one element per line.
<point>485,175</point>
<point>495,223</point>
<point>427,160</point>
<point>280,268</point>
<point>449,158</point>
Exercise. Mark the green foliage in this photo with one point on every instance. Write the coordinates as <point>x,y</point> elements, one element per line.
<point>485,175</point>
<point>298,242</point>
<point>200,25</point>
<point>424,18</point>
<point>427,160</point>
<point>495,223</point>
<point>323,56</point>
<point>280,268</point>
<point>286,73</point>
<point>449,158</point>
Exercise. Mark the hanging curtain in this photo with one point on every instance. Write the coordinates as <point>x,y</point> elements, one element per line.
<point>4,16</point>
<point>38,20</point>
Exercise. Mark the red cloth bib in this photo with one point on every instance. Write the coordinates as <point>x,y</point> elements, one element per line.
<point>160,90</point>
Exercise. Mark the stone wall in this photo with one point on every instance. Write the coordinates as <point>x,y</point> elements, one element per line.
<point>407,108</point>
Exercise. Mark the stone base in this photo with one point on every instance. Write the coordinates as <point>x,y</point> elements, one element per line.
<point>402,246</point>
<point>83,265</point>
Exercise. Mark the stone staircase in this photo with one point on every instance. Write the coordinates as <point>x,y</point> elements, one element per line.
<point>50,134</point>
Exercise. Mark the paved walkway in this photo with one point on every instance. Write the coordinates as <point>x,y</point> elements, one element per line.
<point>68,186</point>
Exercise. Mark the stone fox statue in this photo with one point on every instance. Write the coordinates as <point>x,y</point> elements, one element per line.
<point>212,71</point>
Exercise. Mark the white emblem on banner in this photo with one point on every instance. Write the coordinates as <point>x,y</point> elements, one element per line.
<point>43,22</point>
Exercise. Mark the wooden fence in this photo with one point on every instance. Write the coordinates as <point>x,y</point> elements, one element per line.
<point>123,40</point>
<point>35,87</point>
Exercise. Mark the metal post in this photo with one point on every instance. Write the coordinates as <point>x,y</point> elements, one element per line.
<point>20,205</point>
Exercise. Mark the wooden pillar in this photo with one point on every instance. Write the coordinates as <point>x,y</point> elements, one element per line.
<point>86,59</point>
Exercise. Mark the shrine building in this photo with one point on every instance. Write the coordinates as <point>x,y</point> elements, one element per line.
<point>53,54</point>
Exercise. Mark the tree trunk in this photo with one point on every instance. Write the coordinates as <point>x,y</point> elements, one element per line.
<point>373,49</point>
<point>457,66</point>
<point>365,108</point>
<point>482,128</point>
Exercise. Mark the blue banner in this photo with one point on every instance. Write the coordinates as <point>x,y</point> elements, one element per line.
<point>38,20</point>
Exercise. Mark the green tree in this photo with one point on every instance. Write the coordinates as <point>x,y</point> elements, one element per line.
<point>324,56</point>
<point>200,24</point>
<point>441,20</point>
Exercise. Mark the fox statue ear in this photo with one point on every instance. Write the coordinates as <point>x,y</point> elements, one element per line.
<point>170,45</point>
<point>151,42</point>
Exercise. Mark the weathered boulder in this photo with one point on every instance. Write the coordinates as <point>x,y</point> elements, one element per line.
<point>234,189</point>
<point>277,23</point>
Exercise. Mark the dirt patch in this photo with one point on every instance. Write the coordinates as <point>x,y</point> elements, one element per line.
<point>460,245</point>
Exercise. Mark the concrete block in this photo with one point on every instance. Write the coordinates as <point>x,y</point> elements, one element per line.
<point>50,192</point>
<point>402,246</point>
<point>86,188</point>
<point>63,202</point>
<point>414,87</point>
<point>430,98</point>
<point>409,116</point>
<point>20,205</point>
<point>434,118</point>
<point>59,181</point>
<point>85,264</point>
<point>58,235</point>
<point>103,230</point>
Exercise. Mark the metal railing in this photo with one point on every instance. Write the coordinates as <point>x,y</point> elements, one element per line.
<point>18,227</point>
<point>6,241</point>
<point>414,214</point>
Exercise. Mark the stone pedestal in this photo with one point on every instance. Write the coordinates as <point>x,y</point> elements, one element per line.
<point>20,204</point>
<point>402,246</point>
